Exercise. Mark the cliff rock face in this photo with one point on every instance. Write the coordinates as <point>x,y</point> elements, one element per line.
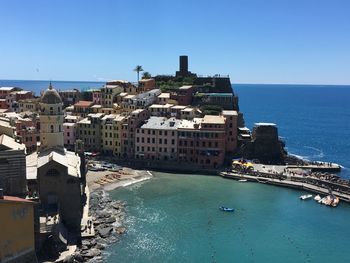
<point>265,145</point>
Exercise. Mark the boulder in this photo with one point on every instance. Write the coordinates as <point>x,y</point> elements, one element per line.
<point>105,232</point>
<point>110,220</point>
<point>120,230</point>
<point>94,252</point>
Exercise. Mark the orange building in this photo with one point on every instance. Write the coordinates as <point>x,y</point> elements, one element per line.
<point>17,230</point>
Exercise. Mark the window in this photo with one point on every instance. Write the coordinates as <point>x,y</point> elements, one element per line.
<point>172,141</point>
<point>51,127</point>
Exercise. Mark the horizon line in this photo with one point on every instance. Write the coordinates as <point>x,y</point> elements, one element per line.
<point>232,83</point>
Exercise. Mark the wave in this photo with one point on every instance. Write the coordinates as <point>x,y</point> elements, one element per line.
<point>320,153</point>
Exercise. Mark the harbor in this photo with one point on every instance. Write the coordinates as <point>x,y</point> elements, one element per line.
<point>315,178</point>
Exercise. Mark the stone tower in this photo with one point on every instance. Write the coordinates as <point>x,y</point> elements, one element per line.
<point>51,120</point>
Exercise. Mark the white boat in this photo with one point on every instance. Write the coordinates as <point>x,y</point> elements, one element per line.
<point>328,200</point>
<point>335,201</point>
<point>304,197</point>
<point>317,198</point>
<point>242,180</point>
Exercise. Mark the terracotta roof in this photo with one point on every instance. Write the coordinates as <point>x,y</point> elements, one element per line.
<point>84,103</point>
<point>15,199</point>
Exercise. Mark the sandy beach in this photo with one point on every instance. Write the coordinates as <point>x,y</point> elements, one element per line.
<point>108,180</point>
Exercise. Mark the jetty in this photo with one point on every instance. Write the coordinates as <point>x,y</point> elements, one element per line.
<point>319,185</point>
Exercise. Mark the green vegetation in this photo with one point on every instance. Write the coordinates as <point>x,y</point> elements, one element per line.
<point>138,69</point>
<point>146,75</point>
<point>211,109</point>
<point>166,86</point>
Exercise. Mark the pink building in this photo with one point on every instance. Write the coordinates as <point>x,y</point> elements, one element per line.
<point>27,132</point>
<point>70,131</point>
<point>157,139</point>
<point>5,91</point>
<point>96,97</point>
<point>202,141</point>
<point>3,104</point>
<point>231,130</point>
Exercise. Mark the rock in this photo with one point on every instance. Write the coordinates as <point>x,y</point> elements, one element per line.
<point>100,246</point>
<point>120,230</point>
<point>110,220</point>
<point>68,259</point>
<point>94,252</point>
<point>105,232</point>
<point>78,257</point>
<point>84,247</point>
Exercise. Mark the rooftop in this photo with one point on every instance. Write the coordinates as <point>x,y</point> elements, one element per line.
<point>179,107</point>
<point>84,103</point>
<point>15,199</point>
<point>186,87</point>
<point>10,143</point>
<point>164,95</point>
<point>161,123</point>
<point>264,124</point>
<point>229,113</point>
<point>161,106</point>
<point>213,119</point>
<point>7,88</point>
<point>190,124</point>
<point>84,121</point>
<point>96,115</point>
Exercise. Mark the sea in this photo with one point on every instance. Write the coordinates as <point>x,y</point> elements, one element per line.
<point>175,217</point>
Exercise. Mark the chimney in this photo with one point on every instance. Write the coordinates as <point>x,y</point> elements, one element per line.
<point>1,193</point>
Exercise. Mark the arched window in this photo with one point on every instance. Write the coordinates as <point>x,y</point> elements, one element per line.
<point>52,172</point>
<point>59,128</point>
<point>51,128</point>
<point>51,110</point>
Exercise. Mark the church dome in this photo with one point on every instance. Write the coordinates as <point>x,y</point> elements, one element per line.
<point>51,96</point>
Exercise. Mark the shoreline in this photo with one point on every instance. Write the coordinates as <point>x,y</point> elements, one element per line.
<point>124,177</point>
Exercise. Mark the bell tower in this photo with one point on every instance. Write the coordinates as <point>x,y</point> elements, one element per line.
<point>51,120</point>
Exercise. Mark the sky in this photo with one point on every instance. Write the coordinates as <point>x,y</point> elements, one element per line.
<point>253,41</point>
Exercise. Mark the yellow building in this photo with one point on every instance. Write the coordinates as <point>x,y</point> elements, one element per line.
<point>17,230</point>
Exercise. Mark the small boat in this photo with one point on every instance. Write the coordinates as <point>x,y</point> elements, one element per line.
<point>242,180</point>
<point>335,201</point>
<point>327,200</point>
<point>226,209</point>
<point>317,198</point>
<point>305,197</point>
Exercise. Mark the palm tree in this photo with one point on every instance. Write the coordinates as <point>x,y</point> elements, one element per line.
<point>146,75</point>
<point>138,69</point>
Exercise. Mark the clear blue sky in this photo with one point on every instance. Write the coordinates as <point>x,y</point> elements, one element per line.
<point>254,41</point>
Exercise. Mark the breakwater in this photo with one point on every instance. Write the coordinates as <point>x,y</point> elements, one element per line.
<point>311,184</point>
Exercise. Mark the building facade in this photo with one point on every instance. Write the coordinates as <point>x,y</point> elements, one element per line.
<point>17,243</point>
<point>12,166</point>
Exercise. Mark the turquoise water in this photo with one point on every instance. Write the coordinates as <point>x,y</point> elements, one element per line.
<point>175,218</point>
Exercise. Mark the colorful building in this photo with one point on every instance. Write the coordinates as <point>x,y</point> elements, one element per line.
<point>89,131</point>
<point>17,242</point>
<point>83,108</point>
<point>157,139</point>
<point>202,141</point>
